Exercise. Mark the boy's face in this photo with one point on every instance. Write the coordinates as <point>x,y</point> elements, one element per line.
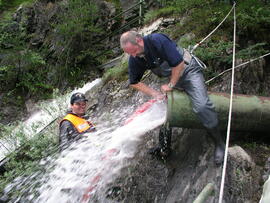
<point>79,108</point>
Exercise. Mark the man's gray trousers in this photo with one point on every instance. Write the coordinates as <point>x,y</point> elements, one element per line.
<point>192,81</point>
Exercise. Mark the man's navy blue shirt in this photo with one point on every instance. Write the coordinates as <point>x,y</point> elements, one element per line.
<point>157,49</point>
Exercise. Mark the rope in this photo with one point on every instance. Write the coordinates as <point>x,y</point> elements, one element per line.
<point>198,44</point>
<point>238,66</point>
<point>5,148</point>
<point>229,116</point>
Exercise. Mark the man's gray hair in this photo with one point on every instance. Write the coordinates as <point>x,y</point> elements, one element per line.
<point>129,36</point>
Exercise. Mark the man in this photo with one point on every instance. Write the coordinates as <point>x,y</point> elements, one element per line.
<point>163,57</point>
<point>75,123</point>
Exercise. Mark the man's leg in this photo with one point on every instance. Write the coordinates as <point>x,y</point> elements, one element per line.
<point>219,144</point>
<point>194,86</point>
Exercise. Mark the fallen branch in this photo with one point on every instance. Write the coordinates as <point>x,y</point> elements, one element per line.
<point>205,193</point>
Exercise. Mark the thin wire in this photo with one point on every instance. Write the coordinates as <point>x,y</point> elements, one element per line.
<point>238,66</point>
<point>229,116</point>
<point>198,44</point>
<point>4,147</point>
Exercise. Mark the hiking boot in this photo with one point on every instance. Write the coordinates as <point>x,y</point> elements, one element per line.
<point>219,145</point>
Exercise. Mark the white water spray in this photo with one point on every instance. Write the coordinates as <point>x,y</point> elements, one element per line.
<point>83,170</point>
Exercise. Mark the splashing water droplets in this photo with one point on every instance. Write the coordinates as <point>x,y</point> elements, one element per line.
<point>89,164</point>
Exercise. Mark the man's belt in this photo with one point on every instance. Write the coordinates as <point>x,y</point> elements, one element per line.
<point>186,56</point>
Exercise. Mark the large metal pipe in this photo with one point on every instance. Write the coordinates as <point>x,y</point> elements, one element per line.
<point>249,113</point>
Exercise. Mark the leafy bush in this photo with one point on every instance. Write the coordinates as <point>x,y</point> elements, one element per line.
<point>76,27</point>
<point>24,70</point>
<point>28,71</point>
<point>218,55</point>
<point>187,5</point>
<point>25,160</point>
<point>8,4</point>
<point>213,52</point>
<point>252,51</point>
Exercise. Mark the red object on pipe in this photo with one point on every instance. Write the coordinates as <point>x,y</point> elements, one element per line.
<point>140,110</point>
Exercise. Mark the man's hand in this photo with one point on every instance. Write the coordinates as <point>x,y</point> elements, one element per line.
<point>165,88</point>
<point>149,91</point>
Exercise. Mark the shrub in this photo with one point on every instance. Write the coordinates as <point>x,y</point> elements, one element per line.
<point>25,160</point>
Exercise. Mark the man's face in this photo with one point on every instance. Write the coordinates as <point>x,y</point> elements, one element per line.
<point>79,108</point>
<point>135,49</point>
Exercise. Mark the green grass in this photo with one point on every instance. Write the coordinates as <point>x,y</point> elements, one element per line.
<point>25,161</point>
<point>119,73</point>
<point>8,7</point>
<point>8,4</point>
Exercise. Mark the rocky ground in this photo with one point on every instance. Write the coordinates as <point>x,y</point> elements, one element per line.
<point>190,167</point>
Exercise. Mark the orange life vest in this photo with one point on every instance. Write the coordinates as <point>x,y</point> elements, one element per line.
<point>79,123</point>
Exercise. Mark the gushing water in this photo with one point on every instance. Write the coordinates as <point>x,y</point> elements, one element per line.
<point>82,171</point>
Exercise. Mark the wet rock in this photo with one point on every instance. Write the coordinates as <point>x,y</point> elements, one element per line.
<point>242,184</point>
<point>114,193</point>
<point>168,21</point>
<point>240,156</point>
<point>4,199</point>
<point>266,170</point>
<point>182,176</point>
<point>158,25</point>
<point>251,79</point>
<point>9,114</point>
<point>31,106</point>
<point>177,179</point>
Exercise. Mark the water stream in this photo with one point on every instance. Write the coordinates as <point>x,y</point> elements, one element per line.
<point>81,172</point>
<point>87,166</point>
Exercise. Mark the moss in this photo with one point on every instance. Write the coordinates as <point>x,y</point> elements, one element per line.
<point>7,7</point>
<point>119,73</point>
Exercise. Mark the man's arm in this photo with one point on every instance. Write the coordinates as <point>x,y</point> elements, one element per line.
<point>66,133</point>
<point>175,76</point>
<point>148,90</point>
